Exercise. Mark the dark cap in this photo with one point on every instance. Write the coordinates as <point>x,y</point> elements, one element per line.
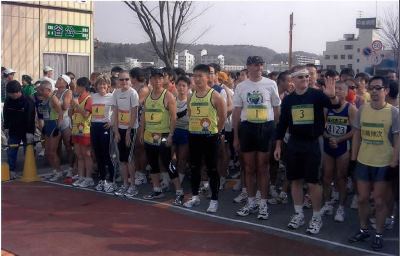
<point>254,60</point>
<point>156,72</point>
<point>13,86</point>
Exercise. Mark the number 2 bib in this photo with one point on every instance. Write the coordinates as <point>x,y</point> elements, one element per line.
<point>257,113</point>
<point>124,117</point>
<point>303,114</point>
<point>98,111</point>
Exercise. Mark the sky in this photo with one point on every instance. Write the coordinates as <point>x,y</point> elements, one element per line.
<point>261,23</point>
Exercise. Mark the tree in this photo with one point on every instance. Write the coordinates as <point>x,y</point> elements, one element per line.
<point>164,24</point>
<point>390,33</point>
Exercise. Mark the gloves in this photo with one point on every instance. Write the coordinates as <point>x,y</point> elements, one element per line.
<point>29,138</point>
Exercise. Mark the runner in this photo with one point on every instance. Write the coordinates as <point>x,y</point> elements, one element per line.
<point>51,111</point>
<point>256,103</point>
<point>125,109</point>
<point>81,117</point>
<point>156,131</point>
<point>374,123</point>
<point>100,132</point>
<point>362,96</point>
<point>207,115</point>
<point>302,112</point>
<point>336,153</point>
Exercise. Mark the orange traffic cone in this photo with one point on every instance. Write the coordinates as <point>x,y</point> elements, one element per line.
<point>5,171</point>
<point>30,172</point>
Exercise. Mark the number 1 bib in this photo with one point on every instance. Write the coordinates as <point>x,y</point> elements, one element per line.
<point>303,114</point>
<point>257,113</point>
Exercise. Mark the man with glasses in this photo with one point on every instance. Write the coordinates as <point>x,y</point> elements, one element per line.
<point>303,113</point>
<point>375,123</point>
<point>256,103</point>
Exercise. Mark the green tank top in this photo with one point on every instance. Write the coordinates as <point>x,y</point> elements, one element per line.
<point>203,115</point>
<point>156,116</point>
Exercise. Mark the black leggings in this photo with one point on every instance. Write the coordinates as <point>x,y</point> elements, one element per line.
<point>204,146</point>
<point>154,153</point>
<point>100,139</point>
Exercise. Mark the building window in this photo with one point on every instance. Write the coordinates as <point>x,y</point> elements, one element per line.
<point>327,57</point>
<point>350,65</point>
<point>342,57</point>
<point>342,67</point>
<point>331,67</point>
<point>335,57</point>
<point>350,57</point>
<point>348,46</point>
<point>358,60</point>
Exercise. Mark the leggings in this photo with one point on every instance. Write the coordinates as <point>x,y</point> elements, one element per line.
<point>156,152</point>
<point>204,146</point>
<point>100,139</point>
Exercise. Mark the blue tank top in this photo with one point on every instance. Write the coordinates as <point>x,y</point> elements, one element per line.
<point>338,123</point>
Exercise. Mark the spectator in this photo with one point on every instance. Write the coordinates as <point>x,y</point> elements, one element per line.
<point>48,73</point>
<point>28,89</point>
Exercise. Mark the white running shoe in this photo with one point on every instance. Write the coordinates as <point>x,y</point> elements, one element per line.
<point>50,175</point>
<point>131,192</point>
<point>78,181</point>
<point>56,176</point>
<point>100,185</point>
<point>109,187</point>
<point>247,210</point>
<point>242,197</point>
<point>87,182</point>
<point>192,202</point>
<point>314,226</point>
<point>283,197</point>
<point>263,212</point>
<point>213,207</point>
<point>327,209</point>
<point>339,216</point>
<point>121,190</point>
<point>68,172</point>
<point>296,221</point>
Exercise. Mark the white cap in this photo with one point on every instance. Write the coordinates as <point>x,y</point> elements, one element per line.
<point>47,69</point>
<point>9,71</point>
<point>66,78</point>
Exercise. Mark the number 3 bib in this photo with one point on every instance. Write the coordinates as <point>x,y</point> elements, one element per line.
<point>303,114</point>
<point>257,113</point>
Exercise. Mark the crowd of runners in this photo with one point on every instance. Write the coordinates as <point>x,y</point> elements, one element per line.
<point>304,135</point>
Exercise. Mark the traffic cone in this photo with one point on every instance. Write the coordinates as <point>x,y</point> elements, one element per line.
<point>5,171</point>
<point>30,172</point>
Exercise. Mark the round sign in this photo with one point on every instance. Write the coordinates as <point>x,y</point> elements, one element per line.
<point>376,58</point>
<point>377,45</point>
<point>367,51</point>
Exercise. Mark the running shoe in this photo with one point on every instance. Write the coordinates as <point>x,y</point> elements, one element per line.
<point>87,182</point>
<point>109,187</point>
<point>78,181</point>
<point>164,185</point>
<point>100,185</point>
<point>178,200</point>
<point>296,221</point>
<point>140,178</point>
<point>314,226</point>
<point>154,195</point>
<point>263,212</point>
<point>361,235</point>
<point>213,207</point>
<point>242,197</point>
<point>283,197</point>
<point>377,242</point>
<point>327,209</point>
<point>121,190</point>
<point>247,210</point>
<point>131,192</point>
<point>192,202</point>
<point>68,172</point>
<point>56,176</point>
<point>339,216</point>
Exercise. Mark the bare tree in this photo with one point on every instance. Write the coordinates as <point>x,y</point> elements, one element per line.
<point>164,24</point>
<point>390,33</point>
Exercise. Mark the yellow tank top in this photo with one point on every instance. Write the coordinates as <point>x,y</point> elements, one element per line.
<point>156,119</point>
<point>203,117</point>
<point>375,127</point>
<point>80,124</point>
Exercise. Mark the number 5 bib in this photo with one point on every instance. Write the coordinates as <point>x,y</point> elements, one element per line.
<point>303,114</point>
<point>257,113</point>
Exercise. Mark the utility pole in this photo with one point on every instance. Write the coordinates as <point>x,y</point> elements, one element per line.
<point>290,40</point>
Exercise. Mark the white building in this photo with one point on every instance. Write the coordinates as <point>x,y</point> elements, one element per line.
<point>279,67</point>
<point>303,60</point>
<point>355,52</point>
<point>233,67</point>
<point>161,64</point>
<point>185,60</point>
<point>208,59</point>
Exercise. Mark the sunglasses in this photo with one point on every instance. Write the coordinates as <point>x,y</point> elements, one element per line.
<point>377,88</point>
<point>301,77</point>
<point>123,79</point>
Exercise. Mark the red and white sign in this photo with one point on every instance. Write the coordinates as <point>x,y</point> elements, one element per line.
<point>377,45</point>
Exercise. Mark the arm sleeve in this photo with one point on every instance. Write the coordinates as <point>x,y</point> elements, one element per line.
<point>283,120</point>
<point>395,120</point>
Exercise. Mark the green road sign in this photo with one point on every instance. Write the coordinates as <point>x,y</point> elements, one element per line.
<point>67,31</point>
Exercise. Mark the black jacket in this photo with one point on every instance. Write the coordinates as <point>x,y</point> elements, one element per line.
<point>19,116</point>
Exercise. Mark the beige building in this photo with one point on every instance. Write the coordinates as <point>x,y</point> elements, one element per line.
<point>47,33</point>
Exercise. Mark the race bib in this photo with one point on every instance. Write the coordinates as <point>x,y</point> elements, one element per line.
<point>124,117</point>
<point>303,114</point>
<point>337,125</point>
<point>200,111</point>
<point>98,111</point>
<point>153,117</point>
<point>372,133</point>
<point>257,113</point>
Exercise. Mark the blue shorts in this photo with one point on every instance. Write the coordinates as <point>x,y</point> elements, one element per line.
<point>369,173</point>
<point>180,137</point>
<point>49,127</point>
<point>342,148</point>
